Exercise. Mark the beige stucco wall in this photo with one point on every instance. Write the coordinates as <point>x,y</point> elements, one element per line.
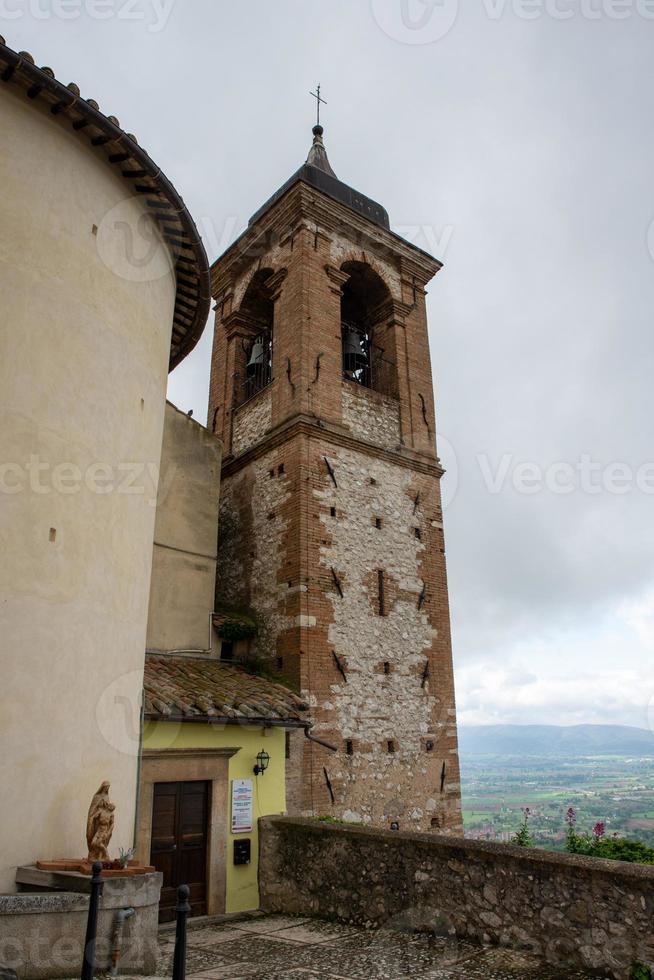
<point>186,532</point>
<point>84,347</point>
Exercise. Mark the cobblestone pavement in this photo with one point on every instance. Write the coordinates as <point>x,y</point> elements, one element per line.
<point>286,948</point>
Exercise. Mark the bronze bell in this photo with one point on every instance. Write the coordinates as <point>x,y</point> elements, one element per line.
<point>256,355</point>
<point>354,354</point>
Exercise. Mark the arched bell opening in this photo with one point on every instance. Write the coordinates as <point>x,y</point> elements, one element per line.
<point>254,367</point>
<point>368,348</point>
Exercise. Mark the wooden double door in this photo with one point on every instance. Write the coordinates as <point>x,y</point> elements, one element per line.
<point>179,843</point>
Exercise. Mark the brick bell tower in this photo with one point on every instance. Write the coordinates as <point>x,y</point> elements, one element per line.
<point>331,526</point>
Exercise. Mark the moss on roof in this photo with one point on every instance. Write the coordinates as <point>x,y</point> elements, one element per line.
<point>202,689</point>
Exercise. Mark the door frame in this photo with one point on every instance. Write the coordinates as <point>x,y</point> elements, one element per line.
<point>180,790</point>
<point>187,766</point>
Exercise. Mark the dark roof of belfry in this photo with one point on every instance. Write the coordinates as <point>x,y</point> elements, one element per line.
<point>199,689</point>
<point>318,173</point>
<point>121,151</point>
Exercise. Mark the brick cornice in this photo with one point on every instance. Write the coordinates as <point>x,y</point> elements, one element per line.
<point>241,324</point>
<point>316,428</point>
<point>301,203</point>
<point>337,278</point>
<point>275,282</point>
<point>392,310</point>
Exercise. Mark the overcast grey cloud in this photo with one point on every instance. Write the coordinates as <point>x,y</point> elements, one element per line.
<point>514,140</point>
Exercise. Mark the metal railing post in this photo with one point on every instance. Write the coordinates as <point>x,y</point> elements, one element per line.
<point>97,886</point>
<point>182,909</point>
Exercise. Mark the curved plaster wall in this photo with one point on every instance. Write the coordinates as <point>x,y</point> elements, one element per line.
<point>84,347</point>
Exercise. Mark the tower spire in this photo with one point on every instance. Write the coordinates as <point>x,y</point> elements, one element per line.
<point>318,154</point>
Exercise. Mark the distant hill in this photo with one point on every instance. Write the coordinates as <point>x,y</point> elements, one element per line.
<point>556,740</point>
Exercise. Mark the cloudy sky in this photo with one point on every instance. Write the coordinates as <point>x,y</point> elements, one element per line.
<point>514,140</point>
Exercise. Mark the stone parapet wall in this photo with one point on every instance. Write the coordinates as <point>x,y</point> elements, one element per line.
<point>572,911</point>
<point>295,741</point>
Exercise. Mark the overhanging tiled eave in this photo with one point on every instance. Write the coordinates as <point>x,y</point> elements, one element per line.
<point>121,151</point>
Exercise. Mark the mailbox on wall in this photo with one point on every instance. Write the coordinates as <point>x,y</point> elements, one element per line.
<point>242,851</point>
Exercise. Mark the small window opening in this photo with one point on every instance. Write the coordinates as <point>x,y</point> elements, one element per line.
<point>226,651</point>
<point>280,663</point>
<point>378,523</point>
<point>429,746</point>
<point>390,745</point>
<point>418,533</point>
<point>332,511</point>
<point>387,668</point>
<point>381,592</point>
<point>271,474</point>
<point>373,482</point>
<point>53,534</point>
<point>281,470</point>
<point>349,747</point>
<point>287,747</point>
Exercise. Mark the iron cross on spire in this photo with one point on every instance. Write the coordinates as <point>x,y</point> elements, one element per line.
<point>318,99</point>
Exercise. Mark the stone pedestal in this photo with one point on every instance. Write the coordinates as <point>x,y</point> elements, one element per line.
<point>42,927</point>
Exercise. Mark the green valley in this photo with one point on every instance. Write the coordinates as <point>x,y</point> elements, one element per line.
<point>617,790</point>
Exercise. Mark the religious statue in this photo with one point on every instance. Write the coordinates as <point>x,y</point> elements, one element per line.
<point>100,824</point>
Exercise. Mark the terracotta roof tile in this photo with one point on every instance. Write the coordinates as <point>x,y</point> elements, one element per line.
<point>189,688</point>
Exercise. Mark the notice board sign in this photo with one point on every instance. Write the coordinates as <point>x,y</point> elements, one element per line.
<point>241,806</point>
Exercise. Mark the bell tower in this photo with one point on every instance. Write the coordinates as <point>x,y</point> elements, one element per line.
<point>331,527</point>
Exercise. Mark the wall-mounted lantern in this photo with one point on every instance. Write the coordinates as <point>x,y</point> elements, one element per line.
<point>263,760</point>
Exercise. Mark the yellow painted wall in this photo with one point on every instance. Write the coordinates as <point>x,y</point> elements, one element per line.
<point>269,789</point>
